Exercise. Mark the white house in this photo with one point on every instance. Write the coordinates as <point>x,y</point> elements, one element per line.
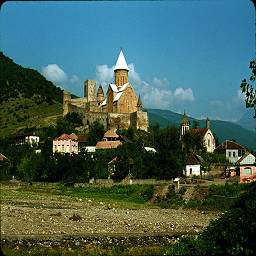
<point>65,144</point>
<point>193,165</point>
<point>247,159</point>
<point>31,139</point>
<point>232,150</point>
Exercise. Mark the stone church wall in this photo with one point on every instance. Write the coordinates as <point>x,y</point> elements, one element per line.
<point>118,121</point>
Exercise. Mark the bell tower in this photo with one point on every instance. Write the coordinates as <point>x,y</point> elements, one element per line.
<point>121,70</point>
<point>184,124</point>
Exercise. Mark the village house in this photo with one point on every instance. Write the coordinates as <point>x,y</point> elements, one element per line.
<point>247,166</point>
<point>65,143</point>
<point>205,133</point>
<point>232,150</point>
<point>193,165</point>
<point>69,143</point>
<point>29,138</point>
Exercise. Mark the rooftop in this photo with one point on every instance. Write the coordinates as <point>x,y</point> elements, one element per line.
<point>121,62</point>
<point>110,134</point>
<point>108,144</point>
<point>228,144</point>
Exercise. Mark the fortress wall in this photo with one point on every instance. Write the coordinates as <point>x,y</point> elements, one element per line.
<point>91,117</point>
<point>73,108</point>
<point>139,120</point>
<point>118,121</point>
<point>80,102</point>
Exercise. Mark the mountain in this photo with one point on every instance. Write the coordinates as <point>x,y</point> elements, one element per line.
<point>247,121</point>
<point>224,130</point>
<point>27,98</point>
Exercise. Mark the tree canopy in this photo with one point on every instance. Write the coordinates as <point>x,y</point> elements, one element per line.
<point>249,88</point>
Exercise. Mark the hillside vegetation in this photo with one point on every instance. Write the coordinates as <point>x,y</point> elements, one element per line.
<point>27,98</point>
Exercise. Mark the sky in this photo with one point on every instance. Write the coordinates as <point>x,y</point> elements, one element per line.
<point>182,55</point>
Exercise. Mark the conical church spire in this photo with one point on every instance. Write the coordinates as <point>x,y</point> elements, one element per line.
<point>139,104</point>
<point>121,70</point>
<point>121,62</point>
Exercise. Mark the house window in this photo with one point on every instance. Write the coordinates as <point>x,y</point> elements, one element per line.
<point>209,143</point>
<point>248,171</point>
<point>234,154</point>
<point>190,171</point>
<point>229,154</point>
<point>62,148</point>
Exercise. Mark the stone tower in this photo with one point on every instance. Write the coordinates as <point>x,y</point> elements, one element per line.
<point>90,90</point>
<point>100,94</point>
<point>66,101</point>
<point>184,124</point>
<point>121,70</point>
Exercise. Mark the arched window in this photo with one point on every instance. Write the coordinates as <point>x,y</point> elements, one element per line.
<point>248,171</point>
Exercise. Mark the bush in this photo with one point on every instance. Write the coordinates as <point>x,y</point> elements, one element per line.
<point>232,234</point>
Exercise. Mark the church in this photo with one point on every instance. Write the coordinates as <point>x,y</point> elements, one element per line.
<point>205,133</point>
<point>119,108</point>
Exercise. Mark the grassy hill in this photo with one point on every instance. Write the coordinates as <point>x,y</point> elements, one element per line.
<point>223,129</point>
<point>27,99</point>
<point>20,113</point>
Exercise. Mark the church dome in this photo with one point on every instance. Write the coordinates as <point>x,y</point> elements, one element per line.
<point>185,119</point>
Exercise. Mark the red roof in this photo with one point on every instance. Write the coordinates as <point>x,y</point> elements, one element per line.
<point>110,134</point>
<point>65,136</point>
<point>82,138</point>
<point>199,131</point>
<point>228,144</point>
<point>108,144</point>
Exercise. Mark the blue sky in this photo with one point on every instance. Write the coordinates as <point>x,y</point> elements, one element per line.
<point>188,55</point>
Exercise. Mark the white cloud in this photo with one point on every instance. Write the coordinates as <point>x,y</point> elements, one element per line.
<point>104,74</point>
<point>133,75</point>
<point>160,83</point>
<point>184,94</point>
<point>75,80</point>
<point>55,74</point>
<point>155,94</point>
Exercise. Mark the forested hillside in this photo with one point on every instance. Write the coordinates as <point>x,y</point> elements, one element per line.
<point>17,81</point>
<point>27,98</point>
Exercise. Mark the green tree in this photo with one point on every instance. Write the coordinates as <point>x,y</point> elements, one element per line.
<point>169,156</point>
<point>96,132</point>
<point>249,88</point>
<point>68,123</point>
<point>193,142</point>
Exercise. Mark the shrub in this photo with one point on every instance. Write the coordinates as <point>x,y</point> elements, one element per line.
<point>232,234</point>
<point>182,190</point>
